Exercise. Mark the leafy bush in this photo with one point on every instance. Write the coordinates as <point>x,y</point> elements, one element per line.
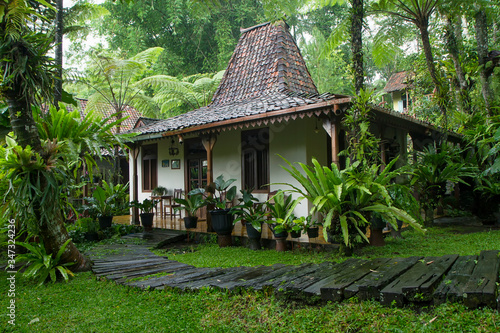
<point>348,198</point>
<point>42,265</point>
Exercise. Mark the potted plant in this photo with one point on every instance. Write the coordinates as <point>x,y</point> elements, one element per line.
<point>146,214</point>
<point>281,209</point>
<point>253,214</point>
<point>159,191</point>
<point>310,226</point>
<point>218,194</point>
<point>296,226</point>
<point>101,206</point>
<point>191,203</point>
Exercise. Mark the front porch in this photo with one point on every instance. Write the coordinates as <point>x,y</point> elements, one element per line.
<point>168,223</point>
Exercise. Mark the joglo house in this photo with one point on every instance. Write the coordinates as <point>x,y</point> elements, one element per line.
<point>266,105</point>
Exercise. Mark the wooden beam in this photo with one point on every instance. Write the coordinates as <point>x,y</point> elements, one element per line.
<point>135,195</point>
<point>332,127</point>
<point>286,112</point>
<point>208,142</point>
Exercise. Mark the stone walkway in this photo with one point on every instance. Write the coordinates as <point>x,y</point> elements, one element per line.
<point>392,281</point>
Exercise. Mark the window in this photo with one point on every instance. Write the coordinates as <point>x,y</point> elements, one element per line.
<point>255,159</point>
<point>149,167</point>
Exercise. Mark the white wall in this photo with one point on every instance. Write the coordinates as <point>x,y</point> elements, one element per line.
<point>167,177</point>
<point>295,140</point>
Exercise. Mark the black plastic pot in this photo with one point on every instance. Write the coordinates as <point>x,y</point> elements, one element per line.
<point>190,222</point>
<point>252,233</point>
<point>295,234</point>
<point>222,221</point>
<point>147,219</point>
<point>313,232</point>
<point>91,236</point>
<point>283,234</point>
<point>105,222</point>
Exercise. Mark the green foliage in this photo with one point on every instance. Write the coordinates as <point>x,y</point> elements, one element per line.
<point>250,210</point>
<point>175,96</point>
<point>363,145</point>
<point>113,80</point>
<point>436,167</point>
<point>159,191</point>
<point>146,206</point>
<point>281,207</point>
<point>191,203</point>
<point>347,198</point>
<point>41,265</point>
<point>197,39</point>
<point>107,200</point>
<point>218,193</point>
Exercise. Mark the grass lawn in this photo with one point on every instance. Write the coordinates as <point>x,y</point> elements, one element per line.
<point>86,304</point>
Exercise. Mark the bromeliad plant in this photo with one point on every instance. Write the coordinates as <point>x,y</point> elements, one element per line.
<point>434,169</point>
<point>190,203</point>
<point>346,199</point>
<point>281,207</point>
<point>42,265</point>
<point>250,210</point>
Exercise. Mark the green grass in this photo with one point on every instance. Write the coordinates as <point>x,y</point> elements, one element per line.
<point>210,255</point>
<point>88,305</point>
<point>435,242</point>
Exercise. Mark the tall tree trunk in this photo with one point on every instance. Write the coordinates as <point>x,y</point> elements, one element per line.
<point>357,43</point>
<point>452,43</point>
<point>59,53</point>
<point>429,58</point>
<point>482,55</point>
<point>53,231</point>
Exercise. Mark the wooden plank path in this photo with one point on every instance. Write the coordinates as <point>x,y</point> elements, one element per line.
<point>419,281</point>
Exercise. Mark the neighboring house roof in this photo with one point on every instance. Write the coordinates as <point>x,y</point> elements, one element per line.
<point>398,81</point>
<point>145,121</point>
<point>107,110</point>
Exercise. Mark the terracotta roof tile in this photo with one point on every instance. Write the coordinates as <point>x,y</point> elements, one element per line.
<point>398,81</point>
<point>266,60</point>
<point>106,111</point>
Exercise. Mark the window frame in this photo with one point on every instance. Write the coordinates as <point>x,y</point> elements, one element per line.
<point>260,159</point>
<point>150,154</point>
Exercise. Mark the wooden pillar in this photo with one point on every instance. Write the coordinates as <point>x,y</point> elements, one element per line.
<point>135,195</point>
<point>383,155</point>
<point>332,127</point>
<point>208,142</point>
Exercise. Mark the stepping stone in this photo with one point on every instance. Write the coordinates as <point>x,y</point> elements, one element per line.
<point>452,287</point>
<point>332,289</point>
<point>370,285</point>
<point>419,282</point>
<point>481,289</point>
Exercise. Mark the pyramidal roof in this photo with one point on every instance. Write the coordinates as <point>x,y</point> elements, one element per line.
<point>266,60</point>
<point>265,74</point>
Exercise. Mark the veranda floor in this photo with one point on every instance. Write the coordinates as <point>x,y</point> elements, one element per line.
<point>169,223</point>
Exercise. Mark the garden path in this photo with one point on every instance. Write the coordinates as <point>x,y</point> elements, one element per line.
<point>418,281</point>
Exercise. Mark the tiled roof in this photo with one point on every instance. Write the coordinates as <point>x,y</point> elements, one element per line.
<point>266,60</point>
<point>266,73</point>
<point>398,81</point>
<point>106,111</point>
<point>211,114</point>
